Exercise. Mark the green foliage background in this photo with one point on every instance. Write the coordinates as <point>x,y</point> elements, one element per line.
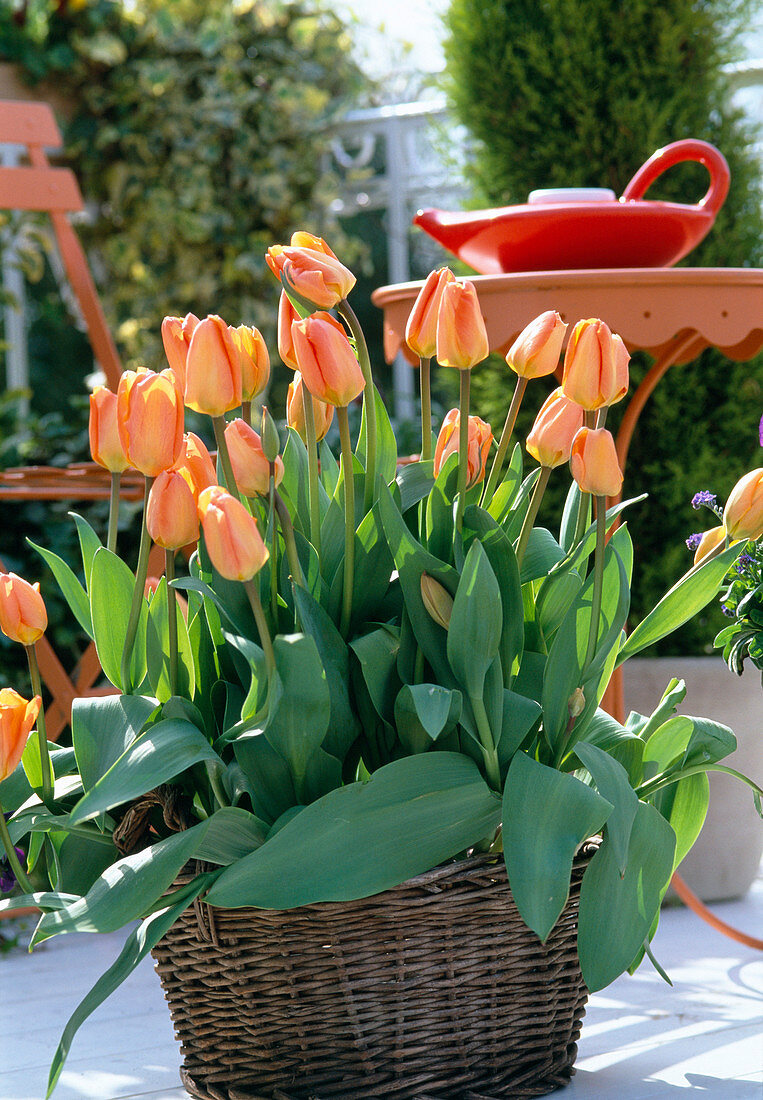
<point>581,93</point>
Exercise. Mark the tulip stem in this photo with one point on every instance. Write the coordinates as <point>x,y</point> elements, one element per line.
<point>426,407</point>
<point>246,412</point>
<point>463,446</point>
<point>287,530</point>
<point>218,423</point>
<point>172,619</point>
<point>137,594</point>
<point>582,520</point>
<point>503,445</point>
<point>598,577</point>
<point>111,538</point>
<point>273,547</point>
<point>252,592</point>
<point>369,399</point>
<point>349,518</point>
<point>311,442</point>
<point>489,752</point>
<point>532,512</point>
<point>10,852</point>
<point>42,736</point>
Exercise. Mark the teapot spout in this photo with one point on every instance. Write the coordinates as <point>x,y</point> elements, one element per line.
<point>451,230</point>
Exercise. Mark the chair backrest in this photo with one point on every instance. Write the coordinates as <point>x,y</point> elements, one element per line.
<point>42,187</point>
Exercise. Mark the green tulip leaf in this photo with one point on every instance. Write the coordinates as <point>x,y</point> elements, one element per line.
<point>503,562</point>
<point>73,592</point>
<point>423,712</point>
<point>386,445</point>
<point>415,481</point>
<point>111,589</point>
<point>474,634</point>
<point>298,725</point>
<point>505,495</point>
<point>612,783</point>
<point>89,544</point>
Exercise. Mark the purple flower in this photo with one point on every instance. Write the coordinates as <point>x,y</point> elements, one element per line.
<point>743,561</point>
<point>727,610</point>
<point>7,877</point>
<point>706,498</point>
<point>693,541</point>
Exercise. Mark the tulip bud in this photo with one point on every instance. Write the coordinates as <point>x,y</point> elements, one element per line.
<point>271,441</point>
<point>176,336</point>
<point>255,361</point>
<point>461,334</point>
<point>480,439</point>
<point>437,600</point>
<point>711,539</point>
<point>576,703</point>
<point>595,366</point>
<point>287,315</point>
<point>323,414</point>
<point>310,268</point>
<point>594,462</point>
<point>150,420</point>
<point>743,514</point>
<point>213,368</point>
<point>421,330</point>
<point>550,438</point>
<point>17,717</point>
<point>195,464</point>
<point>536,350</point>
<point>251,468</point>
<point>171,516</point>
<point>23,617</point>
<point>233,542</point>
<point>105,446</point>
<point>328,365</point>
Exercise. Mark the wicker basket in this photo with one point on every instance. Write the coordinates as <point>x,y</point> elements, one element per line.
<point>434,989</point>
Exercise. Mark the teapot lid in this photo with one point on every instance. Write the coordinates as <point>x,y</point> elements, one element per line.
<point>571,194</point>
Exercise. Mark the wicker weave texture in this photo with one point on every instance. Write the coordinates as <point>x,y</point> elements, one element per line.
<point>433,990</point>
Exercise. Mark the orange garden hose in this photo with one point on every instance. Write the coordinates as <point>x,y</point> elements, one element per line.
<point>698,907</point>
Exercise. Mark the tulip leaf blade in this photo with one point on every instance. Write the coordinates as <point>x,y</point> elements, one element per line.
<point>111,589</point>
<point>612,783</point>
<point>73,592</point>
<point>157,649</point>
<point>503,561</point>
<point>474,634</point>
<point>386,444</point>
<point>103,727</point>
<point>89,544</point>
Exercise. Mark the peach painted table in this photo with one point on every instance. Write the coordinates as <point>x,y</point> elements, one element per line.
<point>671,313</point>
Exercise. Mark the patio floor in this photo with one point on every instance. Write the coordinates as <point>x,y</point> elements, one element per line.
<point>641,1039</point>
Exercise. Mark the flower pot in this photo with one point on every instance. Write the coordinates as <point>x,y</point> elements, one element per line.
<point>726,857</point>
<point>433,989</point>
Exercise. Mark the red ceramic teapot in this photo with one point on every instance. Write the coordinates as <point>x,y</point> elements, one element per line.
<point>608,232</point>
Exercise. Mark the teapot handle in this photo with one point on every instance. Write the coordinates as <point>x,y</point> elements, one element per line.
<point>675,153</point>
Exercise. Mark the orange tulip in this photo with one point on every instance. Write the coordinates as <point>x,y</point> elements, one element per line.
<point>231,536</point>
<point>550,438</point>
<point>23,617</point>
<point>594,462</point>
<point>480,438</point>
<point>743,514</point>
<point>150,419</point>
<point>709,541</point>
<point>311,269</point>
<point>595,366</point>
<point>251,468</point>
<point>176,336</point>
<point>213,368</point>
<point>295,411</point>
<point>255,361</point>
<point>536,350</point>
<point>326,360</point>
<point>171,516</point>
<point>287,315</point>
<point>17,717</point>
<point>461,333</point>
<point>105,446</point>
<point>195,464</point>
<point>421,330</point>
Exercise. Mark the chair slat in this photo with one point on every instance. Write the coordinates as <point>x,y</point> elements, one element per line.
<point>46,189</point>
<point>28,124</point>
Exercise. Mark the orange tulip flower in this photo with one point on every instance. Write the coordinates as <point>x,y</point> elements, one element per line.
<point>311,269</point>
<point>176,337</point>
<point>295,410</point>
<point>171,516</point>
<point>594,462</point>
<point>536,350</point>
<point>595,366</point>
<point>743,514</point>
<point>251,468</point>
<point>150,419</point>
<point>480,438</point>
<point>709,541</point>
<point>213,368</point>
<point>255,361</point>
<point>461,334</point>
<point>17,717</point>
<point>195,464</point>
<point>326,360</point>
<point>231,535</point>
<point>23,617</point>
<point>421,330</point>
<point>105,445</point>
<point>550,438</point>
<point>287,315</point>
